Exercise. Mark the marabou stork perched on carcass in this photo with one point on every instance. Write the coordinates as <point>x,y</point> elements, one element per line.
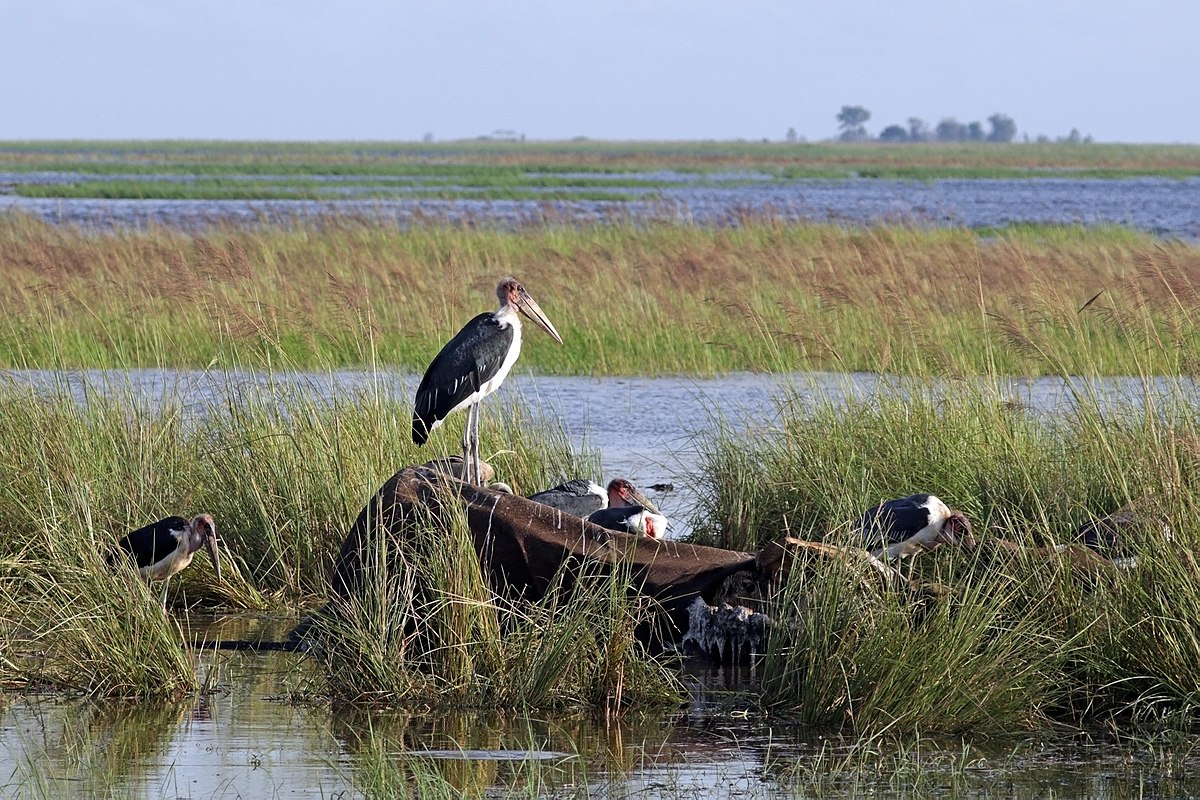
<point>472,365</point>
<point>581,497</point>
<point>904,526</point>
<point>165,547</point>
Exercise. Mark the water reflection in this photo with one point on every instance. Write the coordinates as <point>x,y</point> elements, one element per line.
<point>245,740</point>
<point>89,746</point>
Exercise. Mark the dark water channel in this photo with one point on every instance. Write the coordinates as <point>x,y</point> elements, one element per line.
<point>245,738</point>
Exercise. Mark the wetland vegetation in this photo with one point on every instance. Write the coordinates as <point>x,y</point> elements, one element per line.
<point>1017,643</point>
<point>628,299</point>
<point>286,473</point>
<point>529,163</point>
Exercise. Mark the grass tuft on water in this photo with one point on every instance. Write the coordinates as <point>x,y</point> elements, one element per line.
<point>71,624</point>
<point>427,629</point>
<point>989,639</point>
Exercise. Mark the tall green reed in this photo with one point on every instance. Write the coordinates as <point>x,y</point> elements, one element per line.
<point>1014,637</point>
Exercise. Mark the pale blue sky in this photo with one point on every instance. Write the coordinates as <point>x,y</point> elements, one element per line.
<point>625,69</point>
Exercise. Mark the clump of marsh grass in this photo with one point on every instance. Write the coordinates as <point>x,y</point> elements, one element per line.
<point>1016,635</point>
<point>1006,467</point>
<point>68,622</point>
<point>426,628</point>
<point>1148,651</point>
<point>96,468</point>
<point>283,471</point>
<point>842,655</point>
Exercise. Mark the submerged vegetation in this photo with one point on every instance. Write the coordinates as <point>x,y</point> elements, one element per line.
<point>628,298</point>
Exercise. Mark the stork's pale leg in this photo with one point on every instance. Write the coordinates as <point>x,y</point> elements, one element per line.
<point>164,594</point>
<point>475,464</point>
<point>466,445</point>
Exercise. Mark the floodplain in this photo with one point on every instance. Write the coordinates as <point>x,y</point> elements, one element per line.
<point>999,672</point>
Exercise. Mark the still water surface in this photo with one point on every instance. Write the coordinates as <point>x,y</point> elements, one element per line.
<point>244,739</point>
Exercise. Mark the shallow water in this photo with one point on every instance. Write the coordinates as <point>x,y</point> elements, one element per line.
<point>244,738</point>
<point>1165,207</point>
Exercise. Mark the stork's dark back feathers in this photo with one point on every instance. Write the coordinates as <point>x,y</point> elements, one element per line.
<point>894,521</point>
<point>150,544</point>
<point>462,366</point>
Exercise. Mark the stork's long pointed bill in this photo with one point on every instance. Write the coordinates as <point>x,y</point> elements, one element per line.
<point>531,309</point>
<point>211,542</point>
<point>643,501</point>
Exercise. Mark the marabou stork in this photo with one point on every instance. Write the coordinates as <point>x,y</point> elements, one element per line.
<point>472,365</point>
<point>1120,535</point>
<point>165,547</point>
<point>581,497</point>
<point>919,521</point>
<point>631,519</point>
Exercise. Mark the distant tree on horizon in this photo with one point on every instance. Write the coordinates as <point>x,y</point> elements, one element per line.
<point>1004,129</point>
<point>851,119</point>
<point>918,131</point>
<point>951,130</point>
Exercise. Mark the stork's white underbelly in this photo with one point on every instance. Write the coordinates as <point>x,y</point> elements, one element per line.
<point>164,568</point>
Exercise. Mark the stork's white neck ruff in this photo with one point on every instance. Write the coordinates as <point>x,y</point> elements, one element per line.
<point>506,316</point>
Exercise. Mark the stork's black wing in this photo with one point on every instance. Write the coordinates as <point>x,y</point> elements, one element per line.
<point>574,497</point>
<point>894,520</point>
<point>616,519</point>
<point>469,360</point>
<point>1109,536</point>
<point>154,542</point>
